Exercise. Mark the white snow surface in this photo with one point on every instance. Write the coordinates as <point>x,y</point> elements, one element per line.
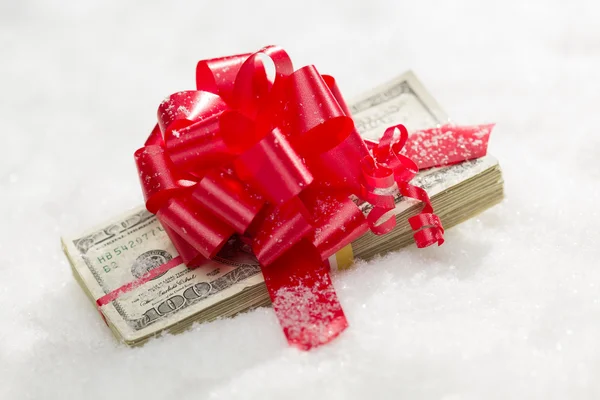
<point>509,307</point>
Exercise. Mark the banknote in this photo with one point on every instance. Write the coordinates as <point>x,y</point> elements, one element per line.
<point>132,245</point>
<point>123,250</point>
<point>403,100</point>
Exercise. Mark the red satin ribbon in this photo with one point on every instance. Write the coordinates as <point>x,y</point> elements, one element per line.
<point>275,161</point>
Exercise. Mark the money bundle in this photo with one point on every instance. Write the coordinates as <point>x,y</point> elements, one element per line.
<point>121,251</point>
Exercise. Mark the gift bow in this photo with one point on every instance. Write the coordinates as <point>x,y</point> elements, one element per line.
<point>275,160</point>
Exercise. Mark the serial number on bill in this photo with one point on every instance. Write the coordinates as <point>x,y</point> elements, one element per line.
<point>130,244</point>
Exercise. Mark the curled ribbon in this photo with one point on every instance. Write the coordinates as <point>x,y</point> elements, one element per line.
<point>275,159</point>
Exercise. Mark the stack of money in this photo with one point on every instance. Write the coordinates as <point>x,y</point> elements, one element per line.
<point>123,250</point>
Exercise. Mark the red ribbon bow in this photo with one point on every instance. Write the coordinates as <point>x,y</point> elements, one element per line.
<point>275,160</point>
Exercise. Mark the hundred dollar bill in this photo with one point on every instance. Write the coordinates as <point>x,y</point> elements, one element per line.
<point>128,247</point>
<point>124,249</point>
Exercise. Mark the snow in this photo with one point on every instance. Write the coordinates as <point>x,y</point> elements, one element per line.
<point>509,307</point>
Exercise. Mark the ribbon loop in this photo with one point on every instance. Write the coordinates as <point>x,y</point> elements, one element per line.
<point>337,220</point>
<point>228,199</point>
<point>157,176</point>
<point>155,137</point>
<point>335,91</point>
<point>375,215</point>
<point>428,236</point>
<point>218,75</point>
<point>198,146</point>
<point>376,176</point>
<point>253,85</point>
<point>274,168</point>
<point>183,108</point>
<point>196,225</point>
<point>314,120</point>
<point>283,227</point>
<point>338,168</point>
<point>189,255</point>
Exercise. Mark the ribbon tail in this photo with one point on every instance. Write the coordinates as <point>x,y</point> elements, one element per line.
<point>303,297</point>
<point>447,145</point>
